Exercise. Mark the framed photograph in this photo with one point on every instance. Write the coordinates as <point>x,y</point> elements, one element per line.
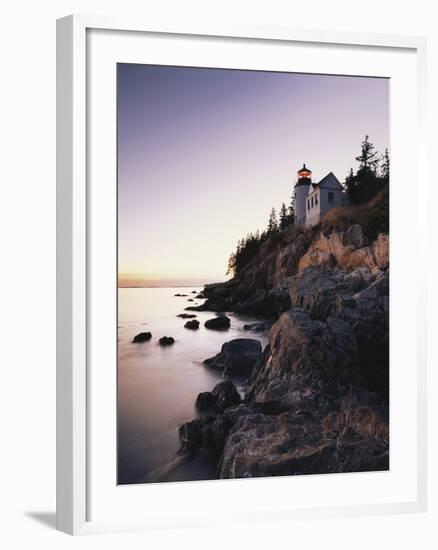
<point>240,331</point>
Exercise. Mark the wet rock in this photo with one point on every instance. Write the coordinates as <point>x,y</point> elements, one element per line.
<point>166,341</point>
<point>142,337</point>
<point>187,315</point>
<point>205,401</point>
<point>193,325</point>
<point>236,358</point>
<point>222,396</point>
<point>257,327</point>
<point>180,295</point>
<point>301,443</point>
<point>218,323</point>
<point>190,300</point>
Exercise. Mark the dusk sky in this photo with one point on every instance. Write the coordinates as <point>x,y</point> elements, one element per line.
<point>204,154</point>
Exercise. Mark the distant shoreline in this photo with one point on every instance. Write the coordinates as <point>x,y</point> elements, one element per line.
<point>161,286</point>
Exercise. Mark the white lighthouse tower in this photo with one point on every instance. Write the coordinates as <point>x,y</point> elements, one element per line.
<point>301,190</point>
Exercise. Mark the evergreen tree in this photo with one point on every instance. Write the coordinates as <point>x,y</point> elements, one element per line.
<point>284,218</point>
<point>273,222</point>
<point>231,267</point>
<point>291,209</point>
<point>384,168</point>
<point>362,186</point>
<point>368,158</point>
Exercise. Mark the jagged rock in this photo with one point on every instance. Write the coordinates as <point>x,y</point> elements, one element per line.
<point>208,434</point>
<point>321,291</point>
<point>347,250</point>
<point>166,341</point>
<point>218,323</point>
<point>354,237</point>
<point>305,354</point>
<point>142,337</point>
<point>193,325</point>
<point>204,435</point>
<point>222,396</point>
<point>237,357</point>
<point>265,303</point>
<point>317,396</point>
<point>381,251</point>
<point>352,439</point>
<point>316,290</point>
<point>180,295</point>
<point>324,433</point>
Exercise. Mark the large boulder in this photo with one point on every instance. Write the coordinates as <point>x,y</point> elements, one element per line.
<point>142,337</point>
<point>305,354</point>
<point>222,396</point>
<point>237,357</point>
<point>218,323</point>
<point>350,439</point>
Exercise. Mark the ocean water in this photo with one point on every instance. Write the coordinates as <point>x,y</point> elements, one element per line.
<point>157,386</point>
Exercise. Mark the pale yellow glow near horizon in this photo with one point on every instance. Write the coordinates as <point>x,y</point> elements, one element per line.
<point>203,156</point>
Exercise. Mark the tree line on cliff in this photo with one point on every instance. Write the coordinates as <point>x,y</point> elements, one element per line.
<point>371,178</point>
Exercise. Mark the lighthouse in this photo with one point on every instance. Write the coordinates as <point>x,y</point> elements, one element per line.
<point>301,189</point>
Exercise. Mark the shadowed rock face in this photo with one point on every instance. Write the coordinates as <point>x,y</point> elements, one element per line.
<point>305,354</point>
<point>222,396</point>
<point>317,395</point>
<point>339,432</point>
<point>306,442</point>
<point>237,357</point>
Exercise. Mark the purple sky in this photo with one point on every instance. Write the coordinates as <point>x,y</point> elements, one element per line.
<point>203,155</point>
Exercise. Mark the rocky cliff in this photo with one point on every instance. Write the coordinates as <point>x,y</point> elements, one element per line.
<point>317,397</point>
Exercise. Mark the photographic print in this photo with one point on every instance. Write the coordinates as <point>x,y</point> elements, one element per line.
<point>253,273</point>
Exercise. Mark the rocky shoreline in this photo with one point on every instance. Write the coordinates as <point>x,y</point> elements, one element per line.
<point>317,395</point>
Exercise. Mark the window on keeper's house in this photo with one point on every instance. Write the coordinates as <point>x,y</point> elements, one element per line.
<point>308,205</point>
<point>312,202</point>
<point>316,199</point>
<point>331,197</point>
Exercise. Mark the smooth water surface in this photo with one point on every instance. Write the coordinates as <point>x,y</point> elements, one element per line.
<point>157,387</point>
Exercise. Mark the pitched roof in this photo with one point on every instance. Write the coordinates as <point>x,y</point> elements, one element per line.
<point>330,180</point>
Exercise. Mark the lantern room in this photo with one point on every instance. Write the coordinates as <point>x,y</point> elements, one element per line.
<point>304,172</point>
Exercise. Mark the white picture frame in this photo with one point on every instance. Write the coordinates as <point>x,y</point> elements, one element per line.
<point>73,288</point>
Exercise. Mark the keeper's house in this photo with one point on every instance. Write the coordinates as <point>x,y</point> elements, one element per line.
<point>313,200</point>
